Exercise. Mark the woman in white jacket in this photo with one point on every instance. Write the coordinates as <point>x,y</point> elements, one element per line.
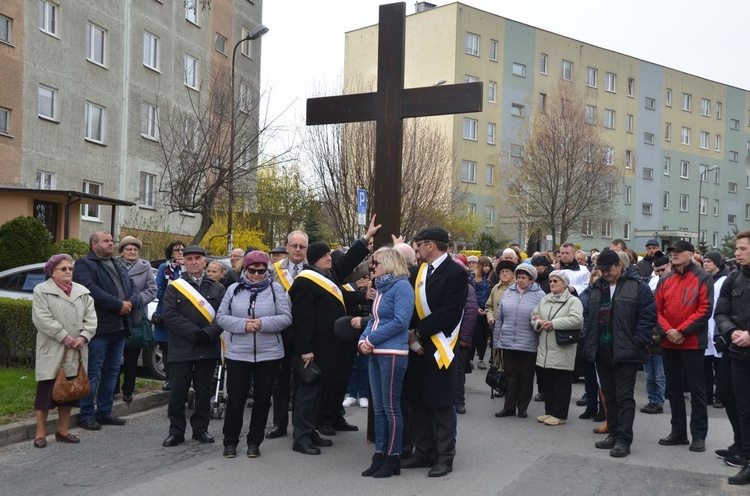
<point>253,314</point>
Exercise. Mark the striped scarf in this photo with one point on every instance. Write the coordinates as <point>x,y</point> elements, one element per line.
<point>605,317</point>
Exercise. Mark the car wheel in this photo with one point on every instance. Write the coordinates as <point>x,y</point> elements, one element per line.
<point>154,362</point>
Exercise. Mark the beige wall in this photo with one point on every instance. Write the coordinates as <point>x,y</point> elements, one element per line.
<point>11,96</point>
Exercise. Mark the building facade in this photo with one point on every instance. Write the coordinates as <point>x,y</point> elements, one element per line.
<point>667,129</point>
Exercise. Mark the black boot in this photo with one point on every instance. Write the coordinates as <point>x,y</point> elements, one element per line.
<point>391,466</point>
<point>377,462</point>
<point>588,414</point>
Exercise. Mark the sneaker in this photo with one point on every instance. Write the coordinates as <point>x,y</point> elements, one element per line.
<point>735,460</point>
<point>731,450</point>
<point>539,397</point>
<point>653,408</point>
<point>481,365</point>
<point>363,403</point>
<point>554,421</point>
<point>349,401</point>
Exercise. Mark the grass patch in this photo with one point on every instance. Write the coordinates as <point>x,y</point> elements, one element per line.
<point>17,392</point>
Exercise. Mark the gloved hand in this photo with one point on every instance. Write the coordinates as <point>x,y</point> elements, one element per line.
<point>202,338</point>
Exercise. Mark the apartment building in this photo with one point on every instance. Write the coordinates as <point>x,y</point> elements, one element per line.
<point>680,141</point>
<point>81,86</point>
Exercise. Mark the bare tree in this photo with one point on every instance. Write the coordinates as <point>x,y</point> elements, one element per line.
<point>565,174</point>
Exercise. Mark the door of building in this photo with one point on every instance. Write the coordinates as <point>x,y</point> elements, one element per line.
<point>47,212</point>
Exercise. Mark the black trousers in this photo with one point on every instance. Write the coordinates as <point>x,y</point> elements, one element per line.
<point>479,338</point>
<point>726,395</point>
<point>462,356</point>
<point>239,376</point>
<point>740,381</point>
<point>306,412</point>
<point>164,347</point>
<point>520,367</point>
<point>558,386</point>
<point>283,386</point>
<point>129,369</point>
<point>618,383</point>
<point>433,429</point>
<point>181,374</point>
<point>711,374</point>
<point>684,372</point>
<point>332,409</point>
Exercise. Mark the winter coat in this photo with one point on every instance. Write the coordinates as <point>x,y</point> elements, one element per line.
<point>633,318</point>
<point>470,317</point>
<point>483,289</point>
<point>513,329</point>
<point>719,279</point>
<point>496,294</point>
<point>566,313</point>
<point>162,281</point>
<point>143,278</point>
<point>733,310</point>
<point>55,316</point>
<point>388,329</point>
<point>271,307</point>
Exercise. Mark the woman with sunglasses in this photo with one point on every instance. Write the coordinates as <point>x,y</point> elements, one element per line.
<point>168,271</point>
<point>253,313</point>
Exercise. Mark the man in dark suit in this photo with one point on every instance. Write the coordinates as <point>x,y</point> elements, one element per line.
<point>441,289</point>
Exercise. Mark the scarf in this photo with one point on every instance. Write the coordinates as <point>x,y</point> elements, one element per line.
<point>605,317</point>
<point>379,281</point>
<point>172,269</point>
<point>66,287</point>
<point>245,284</point>
<point>574,266</point>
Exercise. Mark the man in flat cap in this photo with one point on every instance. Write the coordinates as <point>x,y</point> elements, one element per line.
<point>279,253</point>
<point>645,265</point>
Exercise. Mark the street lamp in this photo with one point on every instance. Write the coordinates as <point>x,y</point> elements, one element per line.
<point>700,190</point>
<point>256,33</point>
<point>439,82</point>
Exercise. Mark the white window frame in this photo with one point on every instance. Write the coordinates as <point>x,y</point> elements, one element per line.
<point>704,139</point>
<point>732,219</point>
<point>717,175</point>
<point>491,131</point>
<point>734,156</point>
<point>650,103</point>
<point>190,135</point>
<point>470,79</point>
<point>45,180</point>
<point>543,63</point>
<point>703,173</point>
<point>518,69</point>
<point>586,228</point>
<point>684,169</point>
<point>224,40</point>
<point>685,136</point>
<point>629,123</point>
<point>733,188</point>
<point>628,159</point>
<point>91,134</point>
<point>609,119</point>
<point>49,17</point>
<point>91,211</point>
<point>489,216</point>
<point>151,50</point>
<point>567,70</point>
<point>734,124</point>
<point>191,11</point>
<point>717,143</point>
<point>516,150</point>
<point>684,202</point>
<point>92,33</point>
<point>631,87</point>
<point>471,209</point>
<point>149,121</point>
<point>715,239</point>
<point>5,121</point>
<point>719,108</point>
<point>494,48</point>
<point>517,110</point>
<point>667,131</point>
<point>648,138</point>
<point>590,114</point>
<point>245,99</point>
<point>472,44</point>
<point>468,171</point>
<point>191,72</point>
<point>53,93</point>
<point>610,82</point>
<point>687,102</point>
<point>647,209</point>
<point>716,208</point>
<point>591,77</point>
<point>668,97</point>
<point>147,191</point>
<point>626,230</point>
<point>489,174</point>
<point>542,103</point>
<point>648,174</point>
<point>606,229</point>
<point>628,195</point>
<point>6,29</point>
<point>492,92</point>
<point>702,205</point>
<point>747,211</point>
<point>470,129</point>
<point>245,48</point>
<point>667,165</point>
<point>705,107</point>
<point>665,200</point>
<point>609,155</point>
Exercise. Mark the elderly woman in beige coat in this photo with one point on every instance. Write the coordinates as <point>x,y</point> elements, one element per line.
<point>64,316</point>
<point>558,310</point>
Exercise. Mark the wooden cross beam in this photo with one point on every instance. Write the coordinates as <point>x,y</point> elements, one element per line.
<point>388,106</point>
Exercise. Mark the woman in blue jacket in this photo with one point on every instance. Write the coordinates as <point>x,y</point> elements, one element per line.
<point>169,271</point>
<point>386,338</point>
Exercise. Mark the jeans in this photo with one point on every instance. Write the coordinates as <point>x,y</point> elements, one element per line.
<point>655,380</point>
<point>105,354</point>
<point>684,371</point>
<point>386,379</point>
<point>359,380</point>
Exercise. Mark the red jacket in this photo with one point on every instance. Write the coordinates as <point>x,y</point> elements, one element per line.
<point>684,301</point>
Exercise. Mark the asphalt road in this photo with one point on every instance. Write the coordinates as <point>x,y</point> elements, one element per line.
<point>503,456</point>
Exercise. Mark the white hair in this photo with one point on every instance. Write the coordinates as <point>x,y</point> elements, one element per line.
<point>624,259</point>
<point>301,233</point>
<point>408,253</point>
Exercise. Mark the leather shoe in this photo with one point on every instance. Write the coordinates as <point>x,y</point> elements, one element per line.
<point>621,450</point>
<point>581,402</point>
<point>111,421</point>
<point>460,409</point>
<point>523,414</point>
<point>306,448</point>
<point>326,430</point>
<point>506,413</point>
<point>203,437</point>
<point>67,438</point>
<point>276,431</point>
<point>698,445</point>
<point>40,442</point>
<point>253,451</point>
<point>90,424</point>
<point>345,426</point>
<point>417,462</point>
<point>742,478</point>
<point>230,451</point>
<point>608,443</point>
<point>127,398</point>
<point>319,441</point>
<point>440,470</point>
<point>674,439</point>
<point>172,441</point>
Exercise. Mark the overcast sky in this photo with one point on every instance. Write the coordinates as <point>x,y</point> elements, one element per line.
<point>304,48</point>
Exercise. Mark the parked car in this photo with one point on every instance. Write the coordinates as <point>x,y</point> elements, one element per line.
<point>19,283</point>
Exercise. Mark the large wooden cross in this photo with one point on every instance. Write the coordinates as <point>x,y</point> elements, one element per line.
<point>388,106</point>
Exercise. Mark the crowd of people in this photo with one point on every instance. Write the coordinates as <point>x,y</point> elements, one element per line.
<point>396,330</point>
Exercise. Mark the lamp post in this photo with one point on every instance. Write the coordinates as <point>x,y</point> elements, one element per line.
<point>256,33</point>
<point>700,192</point>
<point>439,82</point>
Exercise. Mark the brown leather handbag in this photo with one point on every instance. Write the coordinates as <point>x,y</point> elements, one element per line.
<point>76,388</point>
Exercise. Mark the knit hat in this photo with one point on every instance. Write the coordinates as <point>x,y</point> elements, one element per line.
<point>528,268</point>
<point>560,274</point>
<point>505,264</point>
<point>473,258</point>
<point>315,252</point>
<point>463,259</point>
<point>714,256</point>
<point>49,267</point>
<point>660,259</point>
<point>129,240</point>
<point>652,242</point>
<point>255,257</point>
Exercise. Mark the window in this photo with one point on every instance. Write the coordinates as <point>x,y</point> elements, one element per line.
<point>606,229</point>
<point>220,43</point>
<point>472,43</point>
<point>733,156</point>
<point>517,110</point>
<point>489,216</point>
<point>667,165</point>
<point>685,136</point>
<point>45,180</point>
<point>89,211</point>
<point>668,131</point>
<point>733,187</point>
<point>734,125</point>
<point>718,110</point>
<point>591,75</point>
<point>491,133</point>
<point>715,239</point>
<point>5,30</point>
<point>646,208</point>
<point>542,102</point>
<point>516,150</point>
<point>626,230</point>
<point>94,122</point>
<point>684,169</point>
<point>629,123</point>
<point>665,200</point>
<point>191,72</point>
<point>48,14</point>
<point>704,140</point>
<point>717,175</point>
<point>628,195</point>
<point>471,209</point>
<point>191,11</point>
<point>543,59</point>
<point>4,120</point>
<point>747,211</point>
<point>590,114</point>
<point>611,82</point>
<point>705,107</point>
<point>586,228</point>
<point>609,155</point>
<point>567,70</point>
<point>492,92</point>
<point>246,98</point>
<point>150,51</point>
<point>628,159</point>
<point>732,219</point>
<point>470,129</point>
<point>648,173</point>
<point>147,190</point>
<point>684,202</point>
<point>519,69</point>
<point>609,119</point>
<point>470,79</point>
<point>648,138</point>
<point>47,103</point>
<point>716,208</point>
<point>493,50</point>
<point>702,205</point>
<point>149,121</point>
<point>489,174</point>
<point>668,97</point>
<point>631,87</point>
<point>468,171</point>
<point>245,48</point>
<point>650,103</point>
<point>702,173</point>
<point>190,135</point>
<point>95,44</point>
<point>687,102</point>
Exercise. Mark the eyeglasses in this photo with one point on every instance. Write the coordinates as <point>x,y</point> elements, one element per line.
<point>256,271</point>
<point>65,269</point>
<point>659,271</point>
<point>423,242</point>
<point>298,247</point>
<point>178,249</point>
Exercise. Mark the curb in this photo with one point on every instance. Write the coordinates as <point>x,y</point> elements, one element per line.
<point>25,430</point>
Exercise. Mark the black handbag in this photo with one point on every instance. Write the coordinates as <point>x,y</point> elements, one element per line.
<point>141,335</point>
<point>565,338</point>
<point>306,374</point>
<point>496,378</point>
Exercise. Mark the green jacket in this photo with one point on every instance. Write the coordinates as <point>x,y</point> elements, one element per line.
<point>566,313</point>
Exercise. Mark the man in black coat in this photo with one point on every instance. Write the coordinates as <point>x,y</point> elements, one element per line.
<point>190,305</point>
<point>441,285</point>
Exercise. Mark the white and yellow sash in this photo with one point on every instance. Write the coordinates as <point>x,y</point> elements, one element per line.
<point>285,277</point>
<point>444,344</point>
<point>197,299</point>
<point>349,287</point>
<point>324,283</point>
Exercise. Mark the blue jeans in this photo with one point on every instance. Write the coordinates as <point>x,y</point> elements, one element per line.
<point>655,381</point>
<point>105,355</point>
<point>359,381</point>
<point>386,379</point>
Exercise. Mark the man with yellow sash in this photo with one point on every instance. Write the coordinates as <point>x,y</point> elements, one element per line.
<point>190,304</point>
<point>317,301</point>
<point>441,290</point>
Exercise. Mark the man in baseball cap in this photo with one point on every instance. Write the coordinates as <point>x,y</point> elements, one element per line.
<point>646,264</point>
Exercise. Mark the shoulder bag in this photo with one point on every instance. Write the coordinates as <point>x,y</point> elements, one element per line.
<point>567,337</point>
<point>141,335</point>
<point>65,389</point>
